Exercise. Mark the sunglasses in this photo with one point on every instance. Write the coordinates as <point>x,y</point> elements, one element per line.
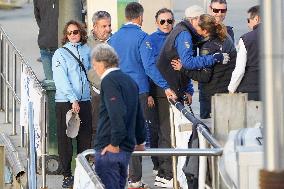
<point>169,21</point>
<point>219,10</point>
<point>75,32</point>
<point>248,19</point>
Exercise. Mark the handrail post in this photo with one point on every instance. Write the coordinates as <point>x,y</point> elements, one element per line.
<point>7,79</point>
<point>14,75</point>
<point>1,71</point>
<point>173,144</point>
<point>43,140</point>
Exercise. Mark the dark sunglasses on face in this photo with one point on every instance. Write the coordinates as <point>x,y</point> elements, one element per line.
<point>75,32</point>
<point>218,10</point>
<point>169,21</point>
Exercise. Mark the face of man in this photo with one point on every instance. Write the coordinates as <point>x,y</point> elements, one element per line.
<point>102,29</point>
<point>219,11</point>
<point>98,67</point>
<point>165,22</point>
<point>252,21</point>
<point>194,23</point>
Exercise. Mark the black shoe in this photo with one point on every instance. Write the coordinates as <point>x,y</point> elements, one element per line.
<point>68,182</point>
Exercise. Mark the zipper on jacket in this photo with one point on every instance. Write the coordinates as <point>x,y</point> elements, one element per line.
<point>82,89</point>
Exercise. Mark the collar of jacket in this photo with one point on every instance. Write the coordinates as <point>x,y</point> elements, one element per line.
<point>256,26</point>
<point>159,32</point>
<point>69,44</point>
<point>131,25</point>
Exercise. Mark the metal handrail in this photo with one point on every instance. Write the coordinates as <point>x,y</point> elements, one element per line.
<point>8,52</point>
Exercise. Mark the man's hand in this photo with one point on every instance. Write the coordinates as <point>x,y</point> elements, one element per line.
<point>110,148</point>
<point>150,102</point>
<point>140,147</point>
<point>75,107</point>
<point>170,94</point>
<point>188,99</point>
<point>176,64</point>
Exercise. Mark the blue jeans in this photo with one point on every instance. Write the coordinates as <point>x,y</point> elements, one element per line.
<point>112,168</point>
<point>46,58</point>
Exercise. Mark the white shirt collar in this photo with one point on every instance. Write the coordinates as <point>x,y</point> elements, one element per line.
<point>108,71</point>
<point>132,24</point>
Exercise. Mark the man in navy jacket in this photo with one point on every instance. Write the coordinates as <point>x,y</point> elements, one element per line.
<point>121,124</point>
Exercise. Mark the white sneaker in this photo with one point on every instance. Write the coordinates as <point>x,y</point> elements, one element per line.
<point>167,183</point>
<point>139,184</point>
<point>158,181</point>
<point>155,172</point>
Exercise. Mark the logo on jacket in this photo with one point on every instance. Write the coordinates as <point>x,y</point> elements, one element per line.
<point>148,45</point>
<point>57,64</point>
<point>112,98</point>
<point>204,52</point>
<point>187,45</point>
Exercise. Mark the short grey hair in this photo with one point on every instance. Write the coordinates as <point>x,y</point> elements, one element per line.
<point>106,54</point>
<point>100,15</point>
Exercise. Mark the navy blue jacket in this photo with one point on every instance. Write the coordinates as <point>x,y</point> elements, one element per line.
<point>121,121</point>
<point>127,43</point>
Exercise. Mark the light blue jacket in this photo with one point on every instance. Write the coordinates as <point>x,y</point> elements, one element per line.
<point>70,80</point>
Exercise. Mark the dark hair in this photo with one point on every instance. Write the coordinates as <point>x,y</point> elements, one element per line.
<point>100,15</point>
<point>254,11</point>
<point>81,29</point>
<point>133,10</point>
<point>164,10</point>
<point>219,1</point>
<point>208,22</point>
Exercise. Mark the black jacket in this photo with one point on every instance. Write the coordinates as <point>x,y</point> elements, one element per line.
<point>250,81</point>
<point>46,15</point>
<point>121,121</point>
<point>217,78</point>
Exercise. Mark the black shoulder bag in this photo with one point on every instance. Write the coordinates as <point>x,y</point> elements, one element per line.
<point>83,68</point>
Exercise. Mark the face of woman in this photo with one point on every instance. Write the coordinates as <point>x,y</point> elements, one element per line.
<point>73,33</point>
<point>201,32</point>
<point>165,22</point>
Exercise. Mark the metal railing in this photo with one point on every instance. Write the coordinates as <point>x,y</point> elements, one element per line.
<point>12,65</point>
<point>216,149</point>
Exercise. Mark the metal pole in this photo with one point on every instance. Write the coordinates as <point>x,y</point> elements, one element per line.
<point>7,79</point>
<point>22,127</point>
<point>14,75</point>
<point>69,10</point>
<point>272,64</point>
<point>173,143</point>
<point>272,94</point>
<point>43,140</point>
<point>1,71</point>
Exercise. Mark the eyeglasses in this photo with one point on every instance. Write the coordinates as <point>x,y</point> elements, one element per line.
<point>169,21</point>
<point>248,19</point>
<point>219,10</point>
<point>75,32</point>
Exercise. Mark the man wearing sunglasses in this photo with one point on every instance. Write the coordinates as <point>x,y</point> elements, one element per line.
<point>100,34</point>
<point>218,9</point>
<point>245,77</point>
<point>158,110</point>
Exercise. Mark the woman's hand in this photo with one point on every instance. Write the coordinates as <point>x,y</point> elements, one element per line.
<point>176,64</point>
<point>75,107</point>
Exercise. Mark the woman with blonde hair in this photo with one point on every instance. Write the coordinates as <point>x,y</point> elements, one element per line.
<point>214,79</point>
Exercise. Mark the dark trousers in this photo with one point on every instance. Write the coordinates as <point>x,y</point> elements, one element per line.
<point>205,105</point>
<point>65,148</point>
<point>95,113</point>
<point>112,168</point>
<point>46,59</point>
<point>164,137</point>
<point>135,165</point>
<point>153,124</point>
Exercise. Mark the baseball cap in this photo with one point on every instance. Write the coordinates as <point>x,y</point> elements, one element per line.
<point>73,124</point>
<point>194,11</point>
